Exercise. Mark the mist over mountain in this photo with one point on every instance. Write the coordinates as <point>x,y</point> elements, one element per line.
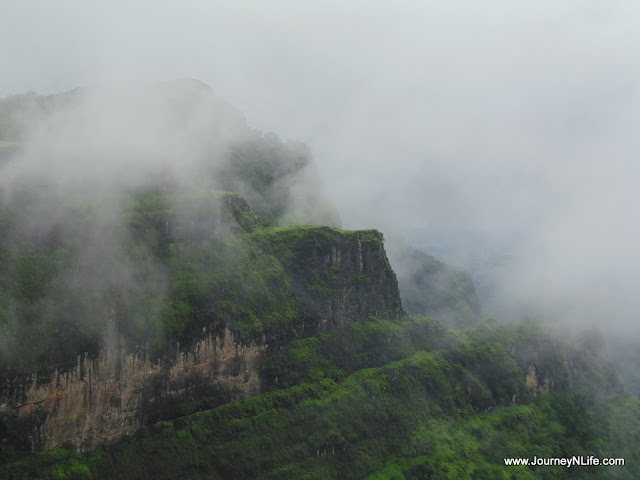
<point>164,264</point>
<point>431,288</point>
<point>514,120</point>
<point>160,255</point>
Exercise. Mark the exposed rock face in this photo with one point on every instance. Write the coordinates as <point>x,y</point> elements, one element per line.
<point>103,398</point>
<point>562,360</point>
<point>337,277</point>
<point>536,385</point>
<point>368,286</point>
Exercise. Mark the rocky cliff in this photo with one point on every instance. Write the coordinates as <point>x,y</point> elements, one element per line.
<point>335,278</point>
<point>339,276</point>
<point>116,393</point>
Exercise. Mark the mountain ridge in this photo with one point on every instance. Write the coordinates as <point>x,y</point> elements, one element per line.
<point>202,320</point>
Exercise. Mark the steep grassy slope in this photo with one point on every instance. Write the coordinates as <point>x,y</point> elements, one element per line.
<point>429,404</point>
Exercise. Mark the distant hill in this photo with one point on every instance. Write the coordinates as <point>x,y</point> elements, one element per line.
<point>429,287</point>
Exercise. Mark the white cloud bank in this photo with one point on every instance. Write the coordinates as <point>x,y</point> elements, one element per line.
<point>517,120</point>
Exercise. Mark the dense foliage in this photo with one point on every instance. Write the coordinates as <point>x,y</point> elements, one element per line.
<point>168,265</point>
<point>404,399</point>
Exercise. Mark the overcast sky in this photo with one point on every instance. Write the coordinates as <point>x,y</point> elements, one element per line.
<point>514,120</point>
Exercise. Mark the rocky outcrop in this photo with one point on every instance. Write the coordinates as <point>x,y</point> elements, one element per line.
<point>103,398</point>
<point>536,385</point>
<point>339,276</point>
<point>360,277</point>
<point>562,360</point>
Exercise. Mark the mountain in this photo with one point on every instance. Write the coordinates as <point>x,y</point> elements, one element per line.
<point>177,301</point>
<point>431,288</point>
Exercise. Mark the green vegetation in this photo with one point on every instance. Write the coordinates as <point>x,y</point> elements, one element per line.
<point>228,283</point>
<point>351,386</point>
<point>443,409</point>
<point>169,265</point>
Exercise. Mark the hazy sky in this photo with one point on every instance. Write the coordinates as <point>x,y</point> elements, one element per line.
<point>515,119</point>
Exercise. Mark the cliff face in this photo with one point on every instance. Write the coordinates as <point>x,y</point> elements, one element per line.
<point>106,397</point>
<point>336,278</point>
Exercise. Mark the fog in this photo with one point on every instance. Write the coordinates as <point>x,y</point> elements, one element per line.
<point>500,136</point>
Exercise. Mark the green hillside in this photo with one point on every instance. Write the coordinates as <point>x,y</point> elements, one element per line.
<point>207,319</point>
<point>403,399</point>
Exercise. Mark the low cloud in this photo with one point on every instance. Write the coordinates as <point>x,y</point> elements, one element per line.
<point>509,124</point>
